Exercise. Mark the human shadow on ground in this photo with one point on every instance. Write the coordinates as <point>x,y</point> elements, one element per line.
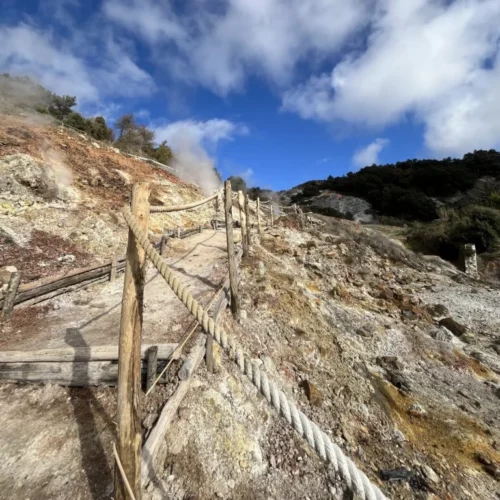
<point>86,407</point>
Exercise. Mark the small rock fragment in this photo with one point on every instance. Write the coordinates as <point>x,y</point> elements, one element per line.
<point>437,310</point>
<point>416,410</point>
<point>430,474</point>
<point>399,474</point>
<point>313,394</point>
<point>454,327</point>
<point>366,330</point>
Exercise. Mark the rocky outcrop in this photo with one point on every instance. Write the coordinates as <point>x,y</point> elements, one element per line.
<point>359,209</point>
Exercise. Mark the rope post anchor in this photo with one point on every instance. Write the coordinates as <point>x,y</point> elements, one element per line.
<point>129,361</point>
<point>233,278</point>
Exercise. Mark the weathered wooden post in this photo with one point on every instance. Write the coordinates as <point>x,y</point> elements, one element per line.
<point>10,295</point>
<point>129,362</point>
<point>112,272</point>
<point>258,217</point>
<point>178,232</point>
<point>243,223</point>
<point>233,277</point>
<point>163,245</point>
<point>151,367</point>
<point>272,214</point>
<point>247,217</point>
<point>209,354</point>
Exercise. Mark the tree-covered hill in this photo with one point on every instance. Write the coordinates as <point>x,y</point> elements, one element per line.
<point>407,190</point>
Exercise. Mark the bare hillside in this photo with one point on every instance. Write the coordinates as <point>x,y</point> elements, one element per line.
<point>61,193</point>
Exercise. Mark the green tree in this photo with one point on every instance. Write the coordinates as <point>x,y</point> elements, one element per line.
<point>77,121</point>
<point>237,183</point>
<point>60,106</point>
<point>163,153</point>
<point>99,129</point>
<point>124,124</point>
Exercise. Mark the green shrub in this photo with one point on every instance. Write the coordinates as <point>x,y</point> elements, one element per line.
<point>477,225</point>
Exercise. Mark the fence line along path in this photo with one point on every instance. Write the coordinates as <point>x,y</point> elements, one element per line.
<point>355,479</point>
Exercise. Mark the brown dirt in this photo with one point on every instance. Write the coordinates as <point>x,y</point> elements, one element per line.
<point>42,259</point>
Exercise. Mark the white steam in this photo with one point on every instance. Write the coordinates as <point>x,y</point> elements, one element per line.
<point>194,165</point>
<point>189,140</point>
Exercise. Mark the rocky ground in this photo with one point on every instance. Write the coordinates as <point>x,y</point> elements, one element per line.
<point>351,325</point>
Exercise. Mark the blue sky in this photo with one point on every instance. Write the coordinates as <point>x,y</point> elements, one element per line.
<point>278,91</point>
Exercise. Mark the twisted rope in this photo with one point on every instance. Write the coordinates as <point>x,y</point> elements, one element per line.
<point>178,208</point>
<point>355,479</point>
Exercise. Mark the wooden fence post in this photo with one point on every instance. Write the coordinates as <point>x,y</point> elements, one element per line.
<point>129,362</point>
<point>163,245</point>
<point>151,367</point>
<point>10,296</point>
<point>243,223</point>
<point>209,354</point>
<point>258,217</point>
<point>112,273</point>
<point>272,214</point>
<point>247,216</point>
<point>233,277</point>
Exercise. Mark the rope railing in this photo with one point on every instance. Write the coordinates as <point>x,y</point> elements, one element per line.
<point>178,208</point>
<point>355,479</point>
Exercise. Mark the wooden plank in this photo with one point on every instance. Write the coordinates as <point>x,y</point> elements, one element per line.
<point>129,372</point>
<point>10,296</point>
<point>88,353</point>
<point>152,367</point>
<point>233,278</point>
<point>80,373</point>
<point>154,450</point>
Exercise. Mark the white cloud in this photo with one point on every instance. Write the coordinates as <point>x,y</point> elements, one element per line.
<point>64,68</point>
<point>219,44</point>
<point>424,59</point>
<point>202,133</point>
<point>191,142</point>
<point>368,155</point>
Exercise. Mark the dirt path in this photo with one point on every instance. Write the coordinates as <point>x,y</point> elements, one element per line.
<point>55,442</point>
<point>92,316</point>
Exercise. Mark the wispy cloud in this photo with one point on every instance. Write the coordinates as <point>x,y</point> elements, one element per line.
<point>369,154</point>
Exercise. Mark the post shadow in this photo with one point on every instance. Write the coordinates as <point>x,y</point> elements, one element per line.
<point>85,405</point>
